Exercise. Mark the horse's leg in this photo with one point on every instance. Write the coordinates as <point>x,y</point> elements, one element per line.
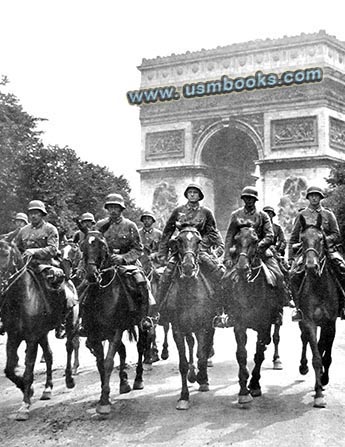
<point>12,345</point>
<point>303,368</point>
<point>28,378</point>
<point>124,385</point>
<point>148,346</point>
<point>244,395</point>
<point>142,343</point>
<point>311,329</point>
<point>191,372</point>
<point>165,351</point>
<point>205,339</point>
<point>263,339</point>
<point>96,347</point>
<point>325,348</point>
<point>183,402</point>
<point>154,348</point>
<point>103,406</point>
<point>277,364</point>
<point>71,330</point>
<point>48,356</point>
<point>76,346</point>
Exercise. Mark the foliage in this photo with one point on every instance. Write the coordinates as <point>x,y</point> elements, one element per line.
<point>66,184</point>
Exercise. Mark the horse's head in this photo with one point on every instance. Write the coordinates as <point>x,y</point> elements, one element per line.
<point>187,245</point>
<point>5,256</point>
<point>96,252</point>
<point>70,257</point>
<point>246,241</point>
<point>313,244</point>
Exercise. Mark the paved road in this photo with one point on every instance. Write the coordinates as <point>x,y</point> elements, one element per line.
<point>283,416</point>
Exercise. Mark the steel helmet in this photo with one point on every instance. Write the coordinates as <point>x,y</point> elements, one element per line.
<point>87,216</point>
<point>270,209</point>
<point>194,185</point>
<point>148,214</point>
<point>315,190</point>
<point>249,191</point>
<point>22,216</point>
<point>37,205</point>
<point>114,199</point>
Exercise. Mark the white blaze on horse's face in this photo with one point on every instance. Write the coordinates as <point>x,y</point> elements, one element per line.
<point>189,235</point>
<point>92,239</point>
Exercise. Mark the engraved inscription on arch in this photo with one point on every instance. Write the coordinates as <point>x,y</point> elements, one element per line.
<point>294,132</point>
<point>167,144</point>
<point>336,133</point>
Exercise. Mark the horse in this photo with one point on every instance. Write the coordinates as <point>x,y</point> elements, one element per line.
<point>109,311</point>
<point>317,292</point>
<point>190,308</point>
<point>253,304</point>
<point>29,311</point>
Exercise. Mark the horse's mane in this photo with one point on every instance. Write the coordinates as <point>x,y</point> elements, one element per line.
<point>6,246</point>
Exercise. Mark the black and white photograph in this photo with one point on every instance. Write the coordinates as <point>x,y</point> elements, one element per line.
<point>172,223</point>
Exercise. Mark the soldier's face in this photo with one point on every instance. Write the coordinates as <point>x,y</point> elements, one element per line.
<point>193,195</point>
<point>86,224</point>
<point>314,199</point>
<point>35,216</point>
<point>249,201</point>
<point>147,221</point>
<point>114,210</point>
<point>20,223</point>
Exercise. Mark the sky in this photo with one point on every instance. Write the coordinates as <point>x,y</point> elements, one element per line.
<point>72,61</point>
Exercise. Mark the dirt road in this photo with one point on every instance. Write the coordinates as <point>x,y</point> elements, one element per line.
<point>283,416</point>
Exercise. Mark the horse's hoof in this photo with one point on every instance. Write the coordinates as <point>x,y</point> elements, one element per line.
<point>138,385</point>
<point>182,405</point>
<point>324,379</point>
<point>103,410</point>
<point>209,363</point>
<point>23,413</point>
<point>155,358</point>
<point>204,387</point>
<point>70,383</point>
<point>125,388</point>
<point>165,354</point>
<point>245,399</point>
<point>319,402</point>
<point>47,394</point>
<point>75,371</point>
<point>277,364</point>
<point>191,376</point>
<point>303,370</point>
<point>256,392</point>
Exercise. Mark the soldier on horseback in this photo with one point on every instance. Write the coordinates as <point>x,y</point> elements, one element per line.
<point>20,220</point>
<point>86,221</point>
<point>201,218</point>
<point>39,242</point>
<point>259,220</point>
<point>123,240</point>
<point>332,236</point>
<point>150,236</point>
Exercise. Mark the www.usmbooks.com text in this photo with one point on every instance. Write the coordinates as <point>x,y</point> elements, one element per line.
<point>224,85</point>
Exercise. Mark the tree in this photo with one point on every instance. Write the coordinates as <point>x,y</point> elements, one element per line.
<point>18,136</point>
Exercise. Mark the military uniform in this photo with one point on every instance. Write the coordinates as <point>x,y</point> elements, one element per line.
<point>150,238</point>
<point>279,240</point>
<point>202,219</point>
<point>43,239</point>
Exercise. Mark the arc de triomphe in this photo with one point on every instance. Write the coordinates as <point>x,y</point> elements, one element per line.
<point>278,138</point>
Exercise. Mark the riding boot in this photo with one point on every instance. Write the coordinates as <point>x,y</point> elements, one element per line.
<point>146,322</point>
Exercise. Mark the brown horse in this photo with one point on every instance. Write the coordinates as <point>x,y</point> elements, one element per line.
<point>254,305</point>
<point>314,285</point>
<point>109,311</point>
<point>191,308</point>
<point>29,312</point>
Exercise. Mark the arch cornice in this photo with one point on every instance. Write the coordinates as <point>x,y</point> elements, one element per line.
<point>251,125</point>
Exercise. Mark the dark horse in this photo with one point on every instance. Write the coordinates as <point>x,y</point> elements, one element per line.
<point>315,287</point>
<point>107,314</point>
<point>29,312</point>
<point>191,309</point>
<point>254,305</point>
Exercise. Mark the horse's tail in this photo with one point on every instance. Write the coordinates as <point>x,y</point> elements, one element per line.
<point>132,334</point>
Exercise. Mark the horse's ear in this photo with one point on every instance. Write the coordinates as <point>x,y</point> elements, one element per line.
<point>103,228</point>
<point>302,222</point>
<point>319,221</point>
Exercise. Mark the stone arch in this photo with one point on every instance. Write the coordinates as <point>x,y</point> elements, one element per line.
<point>230,149</point>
